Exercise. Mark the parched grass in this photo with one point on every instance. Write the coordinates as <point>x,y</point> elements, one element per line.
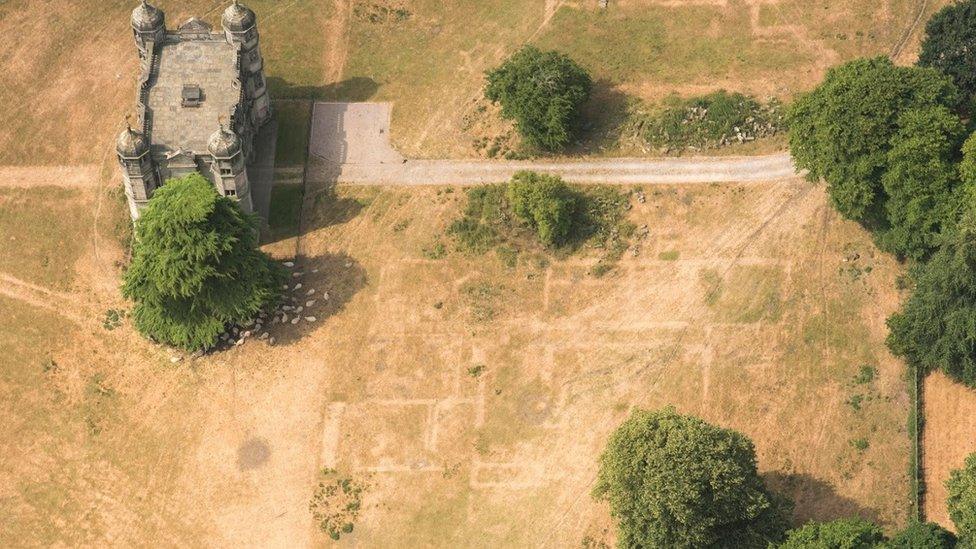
<point>749,294</point>
<point>430,63</point>
<point>63,405</point>
<point>294,45</point>
<point>669,45</point>
<point>43,231</point>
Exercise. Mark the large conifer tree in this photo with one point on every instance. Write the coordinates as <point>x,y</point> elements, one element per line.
<point>196,266</point>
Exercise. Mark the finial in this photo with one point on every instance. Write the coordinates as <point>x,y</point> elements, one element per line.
<point>220,121</point>
<point>145,3</point>
<point>128,118</point>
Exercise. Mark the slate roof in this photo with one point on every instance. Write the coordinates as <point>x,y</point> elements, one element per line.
<point>210,64</point>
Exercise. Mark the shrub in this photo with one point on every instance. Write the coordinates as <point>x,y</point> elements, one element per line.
<point>484,216</point>
<point>196,266</point>
<point>713,120</point>
<point>543,92</point>
<point>962,499</point>
<point>948,44</point>
<point>544,202</point>
<point>842,130</point>
<point>676,481</point>
<point>923,535</point>
<point>838,534</point>
<point>336,503</point>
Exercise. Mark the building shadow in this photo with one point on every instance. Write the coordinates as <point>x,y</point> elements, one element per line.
<point>325,208</point>
<point>815,499</point>
<point>333,280</point>
<point>355,89</point>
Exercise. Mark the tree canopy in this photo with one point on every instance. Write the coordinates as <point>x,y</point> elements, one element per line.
<point>950,44</point>
<point>543,92</point>
<point>842,130</point>
<point>962,499</point>
<point>923,535</point>
<point>676,481</point>
<point>936,327</point>
<point>921,180</point>
<point>544,202</point>
<point>196,266</point>
<point>850,533</point>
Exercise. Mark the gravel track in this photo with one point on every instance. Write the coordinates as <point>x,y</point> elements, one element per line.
<point>350,144</point>
<point>623,171</point>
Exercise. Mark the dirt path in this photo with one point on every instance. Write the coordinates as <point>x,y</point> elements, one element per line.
<point>896,50</point>
<point>623,171</point>
<point>64,305</point>
<point>39,176</point>
<point>338,49</point>
<point>350,144</point>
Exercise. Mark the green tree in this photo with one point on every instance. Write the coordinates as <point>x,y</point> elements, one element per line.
<point>841,131</point>
<point>921,180</point>
<point>546,203</point>
<point>936,327</point>
<point>923,535</point>
<point>196,266</point>
<point>849,533</point>
<point>543,92</point>
<point>675,481</point>
<point>967,167</point>
<point>962,500</point>
<point>950,44</point>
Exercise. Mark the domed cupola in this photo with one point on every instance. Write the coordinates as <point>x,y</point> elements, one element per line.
<point>238,17</point>
<point>147,18</point>
<point>131,144</point>
<point>224,143</point>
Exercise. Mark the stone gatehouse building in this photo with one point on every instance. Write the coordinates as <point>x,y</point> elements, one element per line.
<point>202,98</point>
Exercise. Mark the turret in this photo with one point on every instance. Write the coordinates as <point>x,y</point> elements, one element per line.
<point>240,27</point>
<point>229,172</point>
<point>148,25</point>
<point>138,172</point>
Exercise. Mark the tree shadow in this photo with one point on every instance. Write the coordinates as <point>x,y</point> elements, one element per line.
<point>332,279</point>
<point>603,118</point>
<point>815,499</point>
<point>355,89</point>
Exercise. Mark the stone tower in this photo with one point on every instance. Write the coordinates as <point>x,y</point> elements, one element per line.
<point>229,171</point>
<point>240,27</point>
<point>138,172</point>
<point>188,78</point>
<point>148,27</point>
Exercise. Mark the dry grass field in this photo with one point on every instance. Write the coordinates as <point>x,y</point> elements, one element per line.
<point>471,399</point>
<point>426,57</point>
<point>70,67</point>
